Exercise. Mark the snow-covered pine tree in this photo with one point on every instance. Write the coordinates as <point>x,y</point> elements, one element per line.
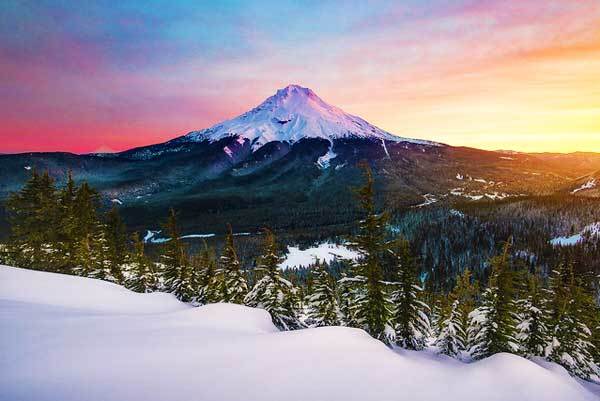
<point>412,314</point>
<point>532,332</point>
<point>209,290</point>
<point>347,293</point>
<point>436,316</point>
<point>99,254</point>
<point>234,285</point>
<point>492,325</point>
<point>176,269</point>
<point>141,277</point>
<point>323,309</point>
<point>452,338</point>
<point>570,345</point>
<point>465,290</point>
<point>272,292</point>
<point>371,304</point>
<point>593,320</point>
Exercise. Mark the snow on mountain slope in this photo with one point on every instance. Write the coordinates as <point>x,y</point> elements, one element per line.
<point>591,183</point>
<point>55,346</point>
<point>291,114</point>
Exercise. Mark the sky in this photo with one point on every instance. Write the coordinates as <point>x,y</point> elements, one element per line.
<point>110,75</point>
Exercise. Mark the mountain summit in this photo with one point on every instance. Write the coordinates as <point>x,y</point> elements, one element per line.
<point>291,114</point>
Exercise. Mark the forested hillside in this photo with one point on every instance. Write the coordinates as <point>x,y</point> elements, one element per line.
<point>471,281</point>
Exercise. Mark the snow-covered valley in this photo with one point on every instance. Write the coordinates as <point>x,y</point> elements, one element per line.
<point>324,252</point>
<point>72,338</point>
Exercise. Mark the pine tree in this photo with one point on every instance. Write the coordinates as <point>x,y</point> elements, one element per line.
<point>437,316</point>
<point>141,277</point>
<point>85,209</point>
<point>234,285</point>
<point>323,307</point>
<point>100,255</point>
<point>32,214</point>
<point>465,291</point>
<point>272,292</point>
<point>209,279</point>
<point>492,325</point>
<point>594,324</point>
<point>68,241</point>
<point>116,239</point>
<point>570,345</point>
<point>83,261</point>
<point>370,304</point>
<point>176,269</point>
<point>347,293</point>
<point>91,252</point>
<point>532,332</point>
<point>412,320</point>
<point>452,337</point>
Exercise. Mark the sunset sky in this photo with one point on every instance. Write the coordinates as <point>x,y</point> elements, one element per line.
<point>110,75</point>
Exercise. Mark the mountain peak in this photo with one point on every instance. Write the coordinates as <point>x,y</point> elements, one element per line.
<point>295,89</point>
<point>293,113</point>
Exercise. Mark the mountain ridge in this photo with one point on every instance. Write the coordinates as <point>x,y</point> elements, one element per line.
<point>293,113</point>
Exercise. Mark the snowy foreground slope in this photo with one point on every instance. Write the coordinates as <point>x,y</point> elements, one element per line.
<point>70,338</point>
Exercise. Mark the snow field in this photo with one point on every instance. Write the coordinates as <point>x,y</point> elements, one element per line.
<point>70,338</point>
<point>324,252</point>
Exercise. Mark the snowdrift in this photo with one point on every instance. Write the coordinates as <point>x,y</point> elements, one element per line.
<point>70,338</point>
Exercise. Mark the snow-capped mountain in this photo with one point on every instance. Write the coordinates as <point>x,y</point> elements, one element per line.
<point>291,114</point>
<point>296,156</point>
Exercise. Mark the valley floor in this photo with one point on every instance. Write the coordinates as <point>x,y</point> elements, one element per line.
<point>72,338</point>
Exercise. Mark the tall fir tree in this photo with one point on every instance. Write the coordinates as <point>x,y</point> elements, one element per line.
<point>272,292</point>
<point>33,216</point>
<point>116,240</point>
<point>452,338</point>
<point>323,309</point>
<point>570,345</point>
<point>371,305</point>
<point>176,268</point>
<point>437,315</point>
<point>209,279</point>
<point>100,255</point>
<point>594,324</point>
<point>141,276</point>
<point>234,284</point>
<point>412,314</point>
<point>492,325</point>
<point>466,291</point>
<point>347,289</point>
<point>67,225</point>
<point>532,331</point>
<point>91,252</point>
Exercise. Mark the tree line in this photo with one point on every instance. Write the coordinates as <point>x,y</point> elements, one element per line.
<point>515,309</point>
